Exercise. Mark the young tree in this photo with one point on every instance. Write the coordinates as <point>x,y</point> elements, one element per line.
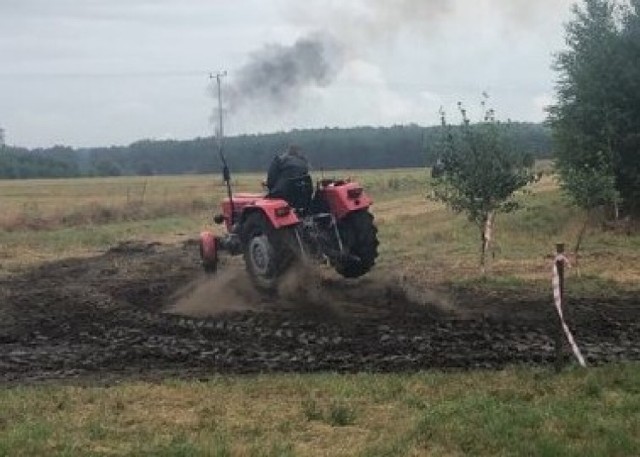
<point>590,187</point>
<point>479,171</point>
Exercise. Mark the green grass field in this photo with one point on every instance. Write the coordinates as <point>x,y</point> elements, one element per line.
<point>510,413</point>
<point>516,412</point>
<point>45,220</point>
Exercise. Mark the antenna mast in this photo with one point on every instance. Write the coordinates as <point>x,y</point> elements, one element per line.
<point>220,130</point>
<point>226,175</point>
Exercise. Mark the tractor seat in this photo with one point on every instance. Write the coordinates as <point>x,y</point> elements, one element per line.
<point>297,191</point>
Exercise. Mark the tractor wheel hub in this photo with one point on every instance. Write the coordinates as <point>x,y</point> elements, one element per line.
<point>260,254</point>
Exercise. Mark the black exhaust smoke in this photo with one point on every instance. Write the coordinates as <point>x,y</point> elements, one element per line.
<point>277,75</point>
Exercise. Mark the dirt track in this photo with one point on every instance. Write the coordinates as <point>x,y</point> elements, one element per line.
<point>104,318</point>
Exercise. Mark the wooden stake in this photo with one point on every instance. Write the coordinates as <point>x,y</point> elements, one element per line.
<point>559,349</point>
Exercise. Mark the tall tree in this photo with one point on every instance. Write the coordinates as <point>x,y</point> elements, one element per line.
<point>628,174</point>
<point>595,121</point>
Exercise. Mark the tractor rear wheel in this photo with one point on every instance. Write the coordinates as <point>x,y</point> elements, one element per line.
<point>268,252</point>
<point>360,238</point>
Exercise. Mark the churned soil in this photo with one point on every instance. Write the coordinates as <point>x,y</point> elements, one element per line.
<point>146,311</point>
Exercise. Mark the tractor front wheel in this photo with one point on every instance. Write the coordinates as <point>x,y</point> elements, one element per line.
<point>268,252</point>
<point>209,252</point>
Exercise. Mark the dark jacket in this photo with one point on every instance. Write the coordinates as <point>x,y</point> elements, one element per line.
<point>283,168</point>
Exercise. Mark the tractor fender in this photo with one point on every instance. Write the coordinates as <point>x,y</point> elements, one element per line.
<point>346,198</point>
<point>276,211</point>
<point>209,251</point>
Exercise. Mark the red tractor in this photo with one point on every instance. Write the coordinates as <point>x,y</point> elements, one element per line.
<point>330,224</point>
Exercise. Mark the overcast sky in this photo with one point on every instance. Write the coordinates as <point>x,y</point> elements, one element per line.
<point>102,72</point>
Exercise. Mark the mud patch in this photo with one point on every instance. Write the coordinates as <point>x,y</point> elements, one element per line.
<point>105,317</point>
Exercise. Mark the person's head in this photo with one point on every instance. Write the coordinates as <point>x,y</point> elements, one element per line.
<point>294,150</point>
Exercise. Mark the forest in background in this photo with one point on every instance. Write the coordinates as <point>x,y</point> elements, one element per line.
<point>327,148</point>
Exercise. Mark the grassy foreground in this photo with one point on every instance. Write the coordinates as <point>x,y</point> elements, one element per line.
<point>516,412</point>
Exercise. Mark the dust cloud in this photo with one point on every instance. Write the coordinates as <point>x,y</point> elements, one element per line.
<point>307,288</point>
<point>229,291</point>
<point>427,297</point>
<point>310,290</point>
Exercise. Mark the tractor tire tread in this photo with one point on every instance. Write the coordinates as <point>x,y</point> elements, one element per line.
<point>362,234</point>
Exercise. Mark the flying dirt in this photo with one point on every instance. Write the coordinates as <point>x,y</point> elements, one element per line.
<point>130,313</point>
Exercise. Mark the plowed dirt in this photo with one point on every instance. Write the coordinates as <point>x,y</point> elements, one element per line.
<point>146,311</point>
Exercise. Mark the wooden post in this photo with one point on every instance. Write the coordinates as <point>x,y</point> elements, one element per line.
<point>559,349</point>
<point>144,192</point>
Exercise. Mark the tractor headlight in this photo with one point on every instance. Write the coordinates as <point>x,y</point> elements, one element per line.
<point>283,211</point>
<point>354,194</point>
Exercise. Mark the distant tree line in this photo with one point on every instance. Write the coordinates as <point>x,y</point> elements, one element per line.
<point>328,148</point>
<point>56,162</point>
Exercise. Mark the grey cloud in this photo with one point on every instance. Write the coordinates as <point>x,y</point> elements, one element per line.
<point>279,74</point>
<point>127,59</point>
<point>361,22</point>
<point>167,13</point>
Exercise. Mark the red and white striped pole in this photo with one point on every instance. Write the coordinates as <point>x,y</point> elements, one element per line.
<point>559,264</point>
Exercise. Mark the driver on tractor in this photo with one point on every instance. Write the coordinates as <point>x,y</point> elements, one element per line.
<point>288,178</point>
